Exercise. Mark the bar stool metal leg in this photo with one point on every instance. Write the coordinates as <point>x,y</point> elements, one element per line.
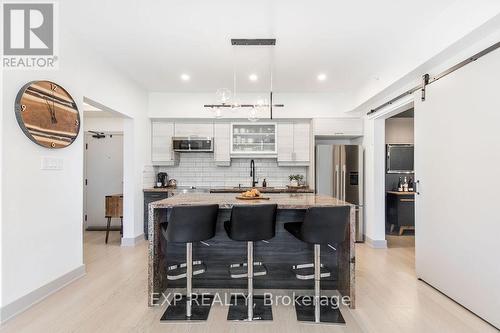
<point>189,277</point>
<point>317,281</point>
<point>317,313</point>
<point>250,280</point>
<point>185,309</point>
<point>251,308</point>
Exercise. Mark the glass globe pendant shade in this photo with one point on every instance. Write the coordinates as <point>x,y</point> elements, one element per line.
<point>223,96</point>
<point>253,115</point>
<point>217,113</point>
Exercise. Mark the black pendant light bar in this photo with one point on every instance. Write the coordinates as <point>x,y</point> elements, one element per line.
<point>250,42</point>
<point>426,80</point>
<point>258,42</point>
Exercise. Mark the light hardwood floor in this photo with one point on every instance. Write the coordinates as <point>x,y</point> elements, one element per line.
<point>112,298</point>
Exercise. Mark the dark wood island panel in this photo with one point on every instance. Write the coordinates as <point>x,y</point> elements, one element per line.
<point>279,254</point>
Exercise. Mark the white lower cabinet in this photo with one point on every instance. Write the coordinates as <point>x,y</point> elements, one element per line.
<point>294,143</point>
<point>222,144</point>
<point>161,143</point>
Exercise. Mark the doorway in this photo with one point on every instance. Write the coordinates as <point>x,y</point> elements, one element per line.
<point>400,179</point>
<point>103,169</point>
<point>375,144</point>
<point>103,175</point>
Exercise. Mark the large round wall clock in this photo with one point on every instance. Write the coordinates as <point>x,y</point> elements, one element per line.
<point>47,114</point>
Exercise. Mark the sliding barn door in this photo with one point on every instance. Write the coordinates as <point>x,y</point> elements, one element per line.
<point>457,159</point>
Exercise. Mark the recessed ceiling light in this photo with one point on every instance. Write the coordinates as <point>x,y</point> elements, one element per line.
<point>185,77</point>
<point>253,77</point>
<point>322,77</point>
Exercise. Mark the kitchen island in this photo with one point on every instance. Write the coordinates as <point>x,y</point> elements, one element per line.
<point>279,254</point>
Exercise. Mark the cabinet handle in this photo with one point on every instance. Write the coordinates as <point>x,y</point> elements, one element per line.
<point>407,200</point>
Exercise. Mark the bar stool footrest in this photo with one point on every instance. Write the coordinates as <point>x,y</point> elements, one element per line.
<point>176,272</point>
<point>306,271</point>
<point>239,271</point>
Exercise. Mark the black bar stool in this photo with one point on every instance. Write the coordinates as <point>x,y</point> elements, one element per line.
<point>321,226</point>
<point>188,224</point>
<point>250,224</point>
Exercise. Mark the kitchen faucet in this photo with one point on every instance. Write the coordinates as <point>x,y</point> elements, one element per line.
<point>252,173</point>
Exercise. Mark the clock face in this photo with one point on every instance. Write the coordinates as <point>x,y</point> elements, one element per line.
<point>47,114</point>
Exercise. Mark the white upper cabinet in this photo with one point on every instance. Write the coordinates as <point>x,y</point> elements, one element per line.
<point>161,143</point>
<point>294,143</point>
<point>346,127</point>
<point>285,142</point>
<point>302,142</point>
<point>253,139</point>
<point>203,129</point>
<point>222,144</point>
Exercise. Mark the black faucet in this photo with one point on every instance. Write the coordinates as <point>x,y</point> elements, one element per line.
<point>252,173</point>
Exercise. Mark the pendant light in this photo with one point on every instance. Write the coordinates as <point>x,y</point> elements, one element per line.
<point>225,99</point>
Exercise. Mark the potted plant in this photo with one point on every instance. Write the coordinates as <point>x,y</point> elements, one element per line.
<point>295,180</point>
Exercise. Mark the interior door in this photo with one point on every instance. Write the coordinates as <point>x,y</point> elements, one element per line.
<point>457,154</point>
<point>103,174</point>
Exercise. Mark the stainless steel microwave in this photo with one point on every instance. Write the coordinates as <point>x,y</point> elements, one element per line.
<point>193,144</point>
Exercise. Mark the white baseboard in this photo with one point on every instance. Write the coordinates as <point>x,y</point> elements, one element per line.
<point>132,241</point>
<point>376,243</point>
<point>23,303</point>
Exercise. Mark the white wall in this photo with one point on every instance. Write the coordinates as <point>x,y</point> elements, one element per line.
<point>457,154</point>
<point>1,192</point>
<point>103,124</point>
<point>296,105</point>
<point>399,131</point>
<point>41,237</point>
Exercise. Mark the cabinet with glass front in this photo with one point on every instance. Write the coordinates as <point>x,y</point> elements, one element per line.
<point>253,139</point>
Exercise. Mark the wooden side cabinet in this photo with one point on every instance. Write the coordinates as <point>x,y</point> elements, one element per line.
<point>401,210</point>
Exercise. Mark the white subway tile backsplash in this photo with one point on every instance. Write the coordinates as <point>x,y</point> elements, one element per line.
<point>199,169</point>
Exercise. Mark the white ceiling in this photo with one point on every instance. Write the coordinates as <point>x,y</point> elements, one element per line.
<point>362,46</point>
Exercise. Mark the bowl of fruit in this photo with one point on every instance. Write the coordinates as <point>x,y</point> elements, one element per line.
<point>252,194</point>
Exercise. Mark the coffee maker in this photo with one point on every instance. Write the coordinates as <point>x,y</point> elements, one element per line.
<point>161,179</point>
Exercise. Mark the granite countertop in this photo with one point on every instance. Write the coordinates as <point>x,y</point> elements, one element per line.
<point>228,200</point>
<point>237,190</point>
<point>262,189</point>
<point>400,193</point>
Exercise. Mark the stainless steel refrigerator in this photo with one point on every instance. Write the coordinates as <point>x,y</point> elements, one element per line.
<point>339,173</point>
